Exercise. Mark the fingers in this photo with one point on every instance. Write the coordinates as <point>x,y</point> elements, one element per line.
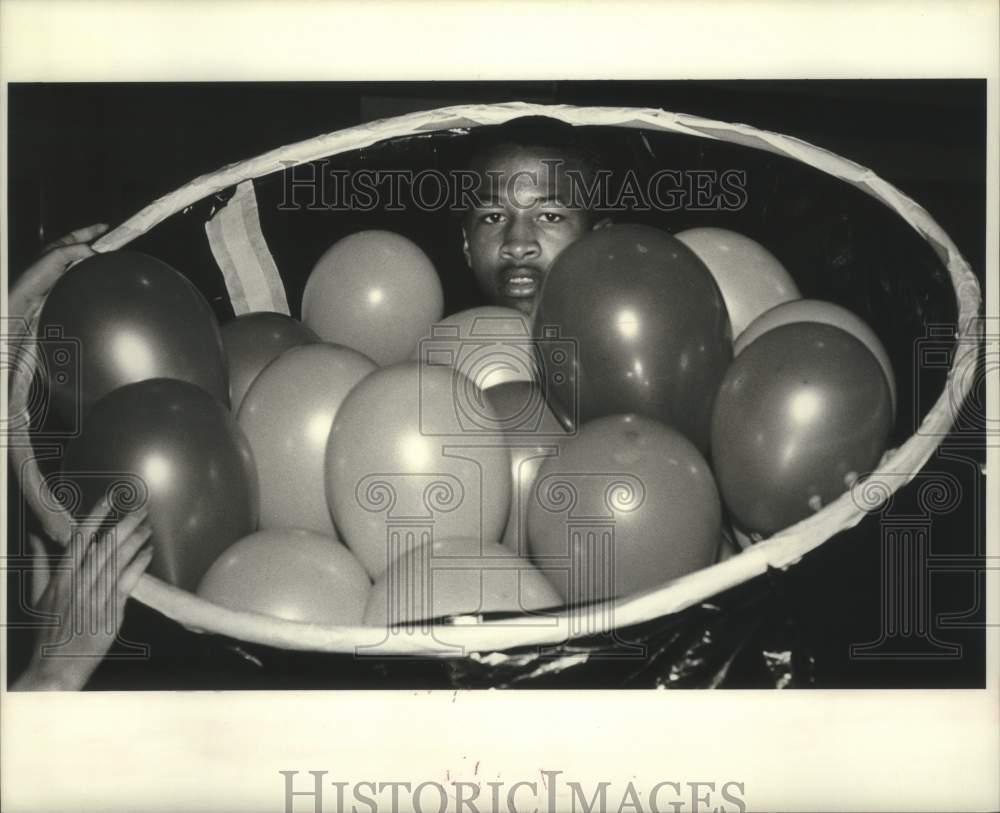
<point>56,258</point>
<point>119,545</point>
<point>117,552</point>
<point>53,265</point>
<point>82,235</point>
<point>94,590</point>
<point>29,291</point>
<point>129,523</point>
<point>70,254</point>
<point>83,532</point>
<point>41,572</point>
<point>99,513</point>
<point>130,576</point>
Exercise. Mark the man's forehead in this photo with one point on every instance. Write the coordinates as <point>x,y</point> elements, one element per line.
<point>527,177</point>
<point>539,179</point>
<point>524,196</point>
<point>523,161</point>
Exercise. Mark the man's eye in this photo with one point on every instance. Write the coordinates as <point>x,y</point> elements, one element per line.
<point>551,217</point>
<point>492,218</point>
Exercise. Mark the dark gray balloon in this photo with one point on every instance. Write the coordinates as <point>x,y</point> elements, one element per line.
<point>628,505</point>
<point>187,458</point>
<point>801,411</point>
<point>134,318</point>
<point>630,320</point>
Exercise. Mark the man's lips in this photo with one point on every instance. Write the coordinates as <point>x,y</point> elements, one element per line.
<point>520,281</point>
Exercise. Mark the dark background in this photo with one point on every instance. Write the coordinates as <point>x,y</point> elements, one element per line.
<point>85,153</point>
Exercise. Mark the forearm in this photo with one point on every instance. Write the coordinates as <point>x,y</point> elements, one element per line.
<point>37,678</point>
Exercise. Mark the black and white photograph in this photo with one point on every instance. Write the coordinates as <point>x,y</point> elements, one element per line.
<point>350,393</point>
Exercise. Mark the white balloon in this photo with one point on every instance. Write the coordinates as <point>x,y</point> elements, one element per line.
<point>413,455</point>
<point>291,574</point>
<point>491,345</point>
<point>374,291</point>
<point>532,434</point>
<point>751,278</point>
<point>286,416</point>
<point>457,577</point>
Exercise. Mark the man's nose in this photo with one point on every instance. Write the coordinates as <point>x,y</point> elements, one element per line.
<point>520,244</point>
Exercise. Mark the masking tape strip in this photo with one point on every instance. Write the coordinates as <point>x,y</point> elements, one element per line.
<point>238,245</point>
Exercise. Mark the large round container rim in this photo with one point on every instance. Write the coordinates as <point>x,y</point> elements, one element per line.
<point>779,551</point>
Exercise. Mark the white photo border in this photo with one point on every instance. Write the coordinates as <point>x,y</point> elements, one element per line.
<point>813,750</point>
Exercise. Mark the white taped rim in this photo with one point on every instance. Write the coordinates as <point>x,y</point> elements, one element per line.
<point>779,551</point>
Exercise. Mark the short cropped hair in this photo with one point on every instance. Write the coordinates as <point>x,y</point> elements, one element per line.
<point>538,132</point>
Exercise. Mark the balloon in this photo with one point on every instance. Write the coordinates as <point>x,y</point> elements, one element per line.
<point>490,345</point>
<point>751,278</point>
<point>134,318</point>
<point>171,444</point>
<point>532,434</point>
<point>412,455</point>
<point>629,320</point>
<point>457,577</point>
<point>291,574</point>
<point>629,505</point>
<point>802,411</point>
<point>287,415</point>
<point>374,291</point>
<point>815,310</point>
<point>253,341</point>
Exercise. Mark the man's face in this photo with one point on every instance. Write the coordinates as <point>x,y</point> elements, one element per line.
<point>522,223</point>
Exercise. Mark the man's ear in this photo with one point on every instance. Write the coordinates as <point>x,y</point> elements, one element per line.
<point>603,223</point>
<point>465,249</point>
